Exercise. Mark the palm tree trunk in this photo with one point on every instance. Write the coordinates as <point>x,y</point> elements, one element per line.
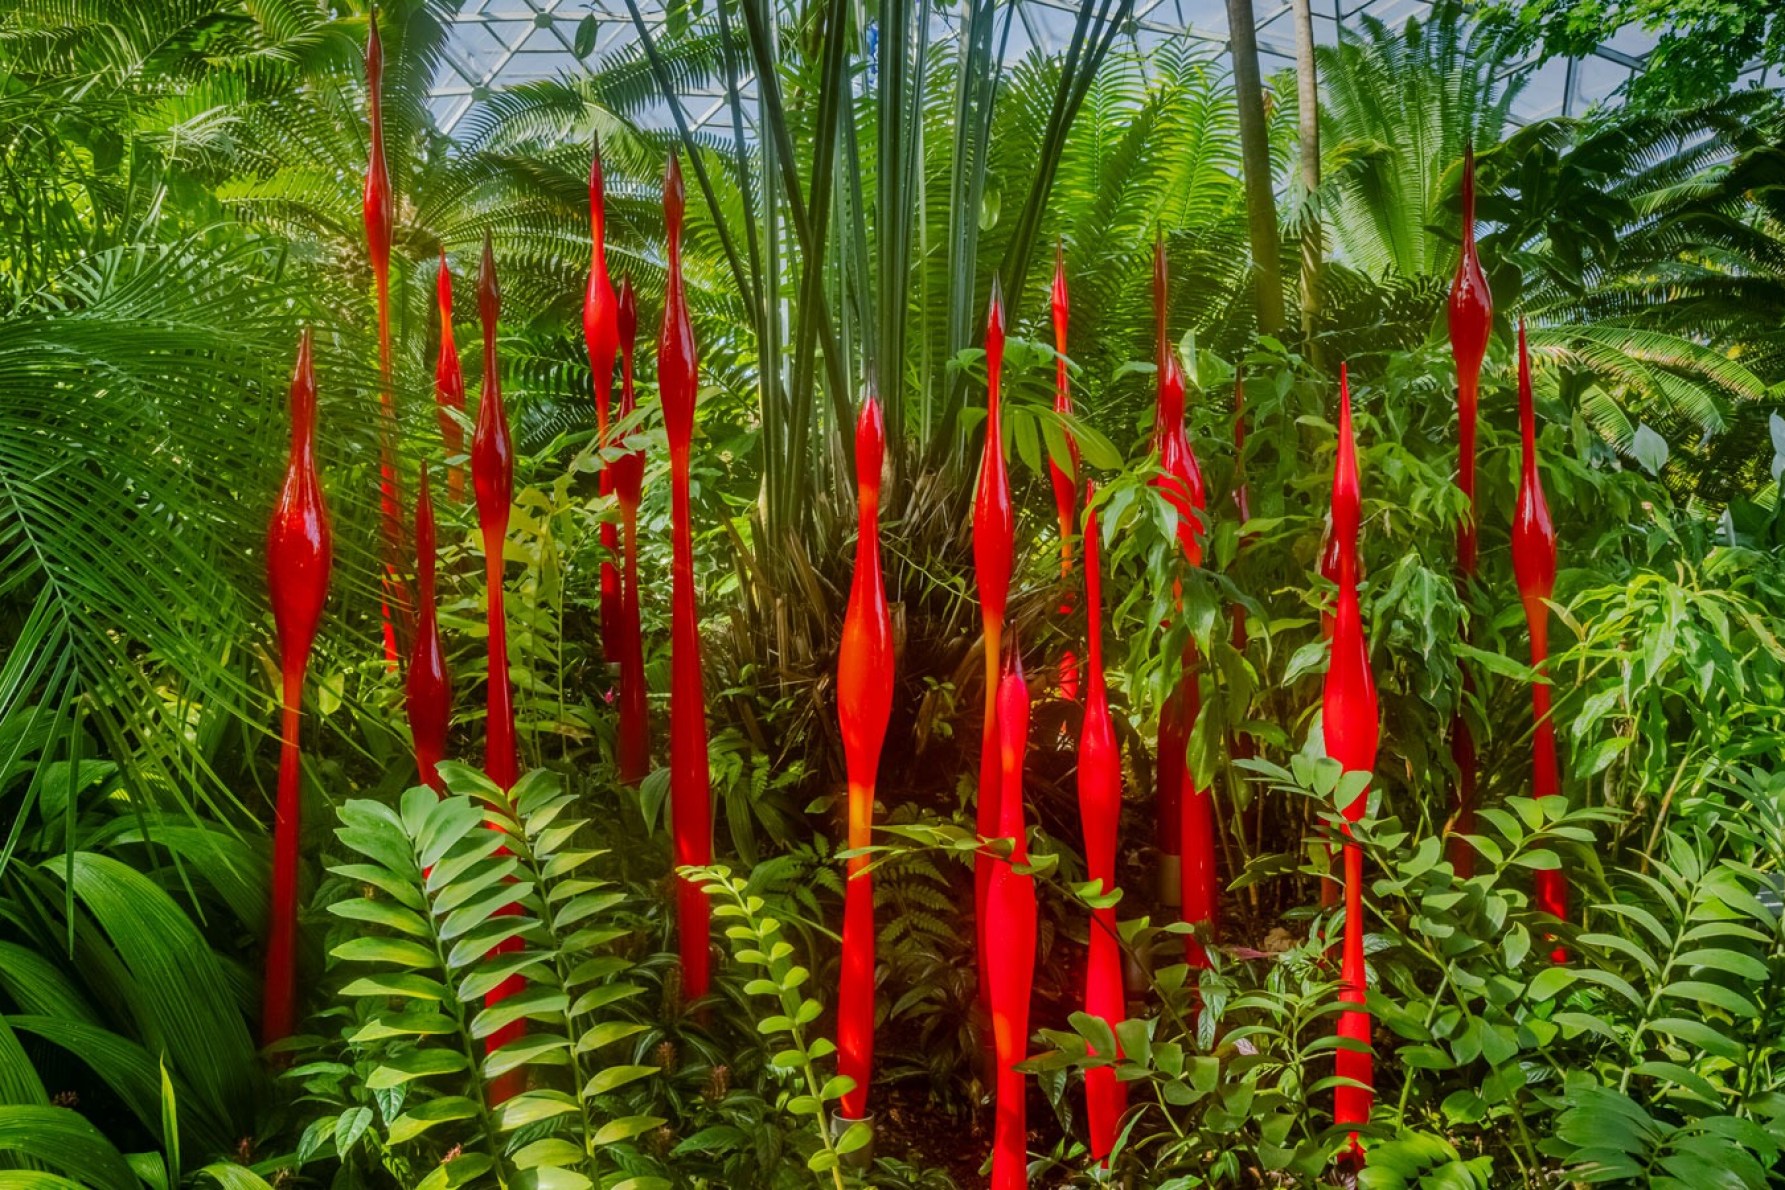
<point>1307,94</point>
<point>1255,160</point>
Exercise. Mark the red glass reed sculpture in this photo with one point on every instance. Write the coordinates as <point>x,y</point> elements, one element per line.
<point>449,386</point>
<point>1534,565</point>
<point>378,209</point>
<point>300,550</point>
<point>1186,814</point>
<point>1100,812</point>
<point>601,332</point>
<point>1471,321</point>
<point>1168,422</point>
<point>864,703</point>
<point>1351,726</point>
<point>1010,942</point>
<point>689,793</point>
<point>634,746</point>
<point>994,545</point>
<point>492,476</point>
<point>1065,482</point>
<point>428,686</point>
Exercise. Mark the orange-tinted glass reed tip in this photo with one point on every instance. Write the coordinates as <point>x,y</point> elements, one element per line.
<point>428,688</point>
<point>300,552</point>
<point>864,705</point>
<point>678,376</point>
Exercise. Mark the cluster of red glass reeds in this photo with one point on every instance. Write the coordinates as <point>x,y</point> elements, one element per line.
<point>298,565</point>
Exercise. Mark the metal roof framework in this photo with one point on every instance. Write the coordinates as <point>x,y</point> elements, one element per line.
<point>495,43</point>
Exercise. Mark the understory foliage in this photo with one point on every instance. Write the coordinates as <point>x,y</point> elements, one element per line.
<point>179,169</point>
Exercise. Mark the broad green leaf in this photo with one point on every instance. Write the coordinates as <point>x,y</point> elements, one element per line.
<point>399,952</point>
<point>381,913</point>
<point>398,1069</point>
<point>552,1150</point>
<point>65,1141</point>
<point>625,1128</point>
<point>532,1107</point>
<point>615,1077</point>
<point>429,1112</point>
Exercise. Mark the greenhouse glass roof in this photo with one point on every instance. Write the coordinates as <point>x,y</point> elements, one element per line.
<point>500,42</point>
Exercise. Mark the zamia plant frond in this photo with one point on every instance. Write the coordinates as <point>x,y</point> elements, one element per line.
<point>1682,992</point>
<point>460,895</point>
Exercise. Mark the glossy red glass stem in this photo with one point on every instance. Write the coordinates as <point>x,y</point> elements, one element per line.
<point>1010,916</point>
<point>492,477</point>
<point>449,386</point>
<point>428,686</point>
<point>690,795</point>
<point>1534,565</point>
<point>1100,815</point>
<point>1185,814</point>
<point>994,547</point>
<point>300,551</point>
<point>1180,475</point>
<point>864,704</point>
<point>1471,311</point>
<point>601,333</point>
<point>1199,869</point>
<point>1351,719</point>
<point>1065,481</point>
<point>1351,726</point>
<point>1173,480</point>
<point>634,745</point>
<point>377,208</point>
